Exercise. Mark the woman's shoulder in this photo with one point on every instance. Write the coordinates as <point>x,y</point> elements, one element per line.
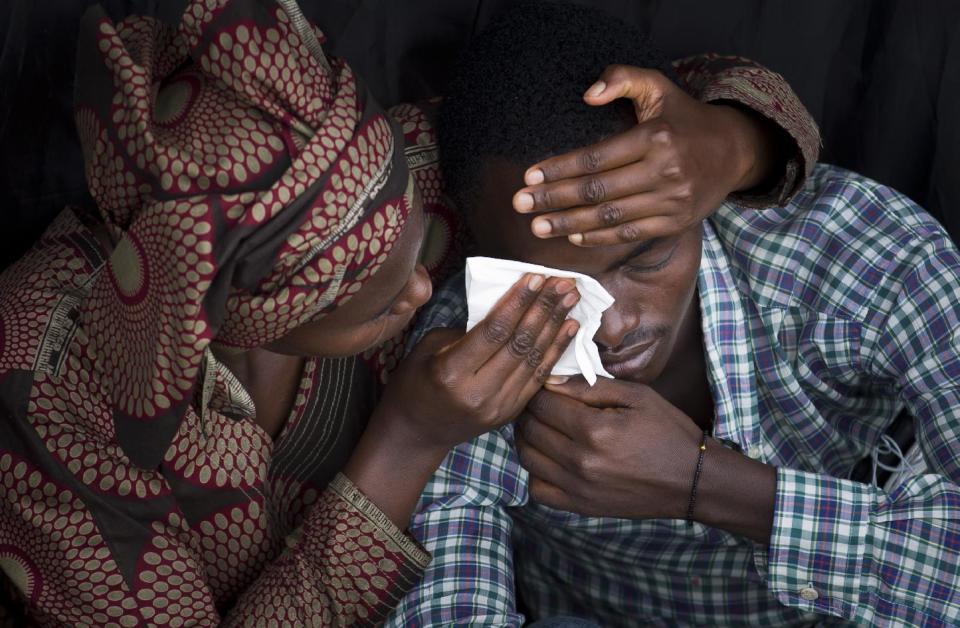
<point>41,293</point>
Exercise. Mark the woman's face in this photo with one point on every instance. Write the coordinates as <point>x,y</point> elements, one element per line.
<point>378,311</point>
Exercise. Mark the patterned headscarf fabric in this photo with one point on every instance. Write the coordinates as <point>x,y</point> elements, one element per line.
<point>250,186</point>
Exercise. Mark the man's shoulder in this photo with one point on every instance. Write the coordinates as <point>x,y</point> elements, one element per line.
<point>841,239</point>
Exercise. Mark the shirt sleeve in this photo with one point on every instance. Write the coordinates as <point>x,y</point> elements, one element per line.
<point>348,564</point>
<point>713,78</point>
<point>854,550</point>
<point>462,520</point>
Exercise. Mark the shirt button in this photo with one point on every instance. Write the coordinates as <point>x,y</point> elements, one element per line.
<point>754,452</point>
<point>809,594</point>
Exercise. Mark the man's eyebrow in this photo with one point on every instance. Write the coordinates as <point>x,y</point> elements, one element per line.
<point>641,248</point>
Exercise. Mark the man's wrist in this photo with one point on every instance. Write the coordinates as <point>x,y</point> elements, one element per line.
<point>736,493</point>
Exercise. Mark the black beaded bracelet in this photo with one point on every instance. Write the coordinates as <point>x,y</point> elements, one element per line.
<point>696,479</point>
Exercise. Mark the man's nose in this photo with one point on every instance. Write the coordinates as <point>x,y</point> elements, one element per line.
<point>615,326</point>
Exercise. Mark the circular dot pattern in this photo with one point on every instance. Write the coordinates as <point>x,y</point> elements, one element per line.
<point>155,343</point>
<point>53,534</point>
<point>222,453</point>
<point>76,426</point>
<point>170,588</point>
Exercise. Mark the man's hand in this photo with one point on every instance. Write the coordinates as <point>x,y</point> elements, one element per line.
<point>669,172</point>
<point>619,449</point>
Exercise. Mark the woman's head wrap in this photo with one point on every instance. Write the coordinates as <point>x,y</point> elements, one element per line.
<point>250,185</point>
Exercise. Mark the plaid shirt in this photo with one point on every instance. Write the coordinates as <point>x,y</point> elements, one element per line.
<point>821,321</point>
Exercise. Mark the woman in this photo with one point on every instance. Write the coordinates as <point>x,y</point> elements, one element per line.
<point>188,433</point>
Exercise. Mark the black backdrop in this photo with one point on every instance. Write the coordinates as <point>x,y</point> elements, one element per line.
<point>882,77</point>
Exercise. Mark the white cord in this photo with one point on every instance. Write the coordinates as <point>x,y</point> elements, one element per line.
<point>889,447</point>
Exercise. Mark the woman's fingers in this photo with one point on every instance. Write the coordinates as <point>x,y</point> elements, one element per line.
<point>634,231</point>
<point>526,349</point>
<point>486,339</point>
<point>598,190</point>
<point>646,88</point>
<point>613,152</point>
<point>528,381</point>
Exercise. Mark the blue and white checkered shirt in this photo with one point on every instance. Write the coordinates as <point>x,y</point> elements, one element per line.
<point>821,321</point>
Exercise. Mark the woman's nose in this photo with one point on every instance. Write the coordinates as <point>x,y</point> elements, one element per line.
<point>419,290</point>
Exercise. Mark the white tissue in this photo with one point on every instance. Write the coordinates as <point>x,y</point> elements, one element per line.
<point>487,280</point>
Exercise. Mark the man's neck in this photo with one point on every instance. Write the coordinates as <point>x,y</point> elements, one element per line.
<point>683,381</point>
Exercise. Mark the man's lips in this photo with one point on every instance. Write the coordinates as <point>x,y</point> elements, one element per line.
<point>627,361</point>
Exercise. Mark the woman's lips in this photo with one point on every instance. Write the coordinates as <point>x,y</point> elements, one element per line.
<point>628,362</point>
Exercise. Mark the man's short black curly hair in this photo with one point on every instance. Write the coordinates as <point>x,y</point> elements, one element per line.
<point>517,90</point>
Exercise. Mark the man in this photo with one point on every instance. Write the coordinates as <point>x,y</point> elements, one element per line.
<point>759,355</point>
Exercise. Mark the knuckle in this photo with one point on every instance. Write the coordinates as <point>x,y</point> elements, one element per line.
<point>548,300</point>
<point>663,134</point>
<point>597,437</point>
<point>495,331</point>
<point>684,192</point>
<point>520,343</point>
<point>534,357</point>
<point>672,170</point>
<point>441,375</point>
<point>560,223</point>
<point>558,316</point>
<point>552,171</point>
<point>522,302</point>
<point>592,190</point>
<point>610,215</point>
<point>589,160</point>
<point>585,465</point>
<point>543,198</point>
<point>628,232</point>
<point>617,73</point>
<point>475,402</point>
<point>541,373</point>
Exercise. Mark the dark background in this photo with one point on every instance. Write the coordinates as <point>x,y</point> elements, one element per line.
<point>882,78</point>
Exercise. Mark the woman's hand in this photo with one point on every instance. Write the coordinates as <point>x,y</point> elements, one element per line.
<point>659,178</point>
<point>455,386</point>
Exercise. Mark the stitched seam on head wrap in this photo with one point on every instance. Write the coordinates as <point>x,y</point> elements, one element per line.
<point>306,32</point>
<point>330,294</point>
<point>370,190</point>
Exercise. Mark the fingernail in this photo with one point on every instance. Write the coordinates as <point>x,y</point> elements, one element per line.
<point>575,238</point>
<point>573,329</point>
<point>535,282</point>
<point>523,202</point>
<point>542,227</point>
<point>571,299</point>
<point>596,89</point>
<point>533,177</point>
<point>565,286</point>
<point>557,380</point>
